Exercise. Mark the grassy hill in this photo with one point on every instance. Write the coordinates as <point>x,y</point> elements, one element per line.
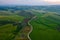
<point>46,26</point>
<point>7,19</point>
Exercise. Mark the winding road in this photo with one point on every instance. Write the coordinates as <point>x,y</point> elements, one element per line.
<point>30,26</point>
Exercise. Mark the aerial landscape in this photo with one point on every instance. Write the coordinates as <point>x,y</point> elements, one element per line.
<point>30,21</point>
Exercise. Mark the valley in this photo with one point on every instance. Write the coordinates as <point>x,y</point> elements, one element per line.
<point>29,23</point>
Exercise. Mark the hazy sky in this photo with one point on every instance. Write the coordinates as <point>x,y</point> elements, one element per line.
<point>29,2</point>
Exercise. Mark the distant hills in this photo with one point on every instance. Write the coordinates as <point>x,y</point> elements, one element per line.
<point>52,8</point>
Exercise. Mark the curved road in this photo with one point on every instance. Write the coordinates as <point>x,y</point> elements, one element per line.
<point>30,26</point>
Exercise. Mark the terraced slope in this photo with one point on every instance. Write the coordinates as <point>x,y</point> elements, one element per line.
<point>8,26</point>
<point>46,26</point>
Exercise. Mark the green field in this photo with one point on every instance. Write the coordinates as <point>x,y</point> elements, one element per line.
<point>7,29</point>
<point>46,26</point>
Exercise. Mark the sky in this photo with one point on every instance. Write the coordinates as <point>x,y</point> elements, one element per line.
<point>29,2</point>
